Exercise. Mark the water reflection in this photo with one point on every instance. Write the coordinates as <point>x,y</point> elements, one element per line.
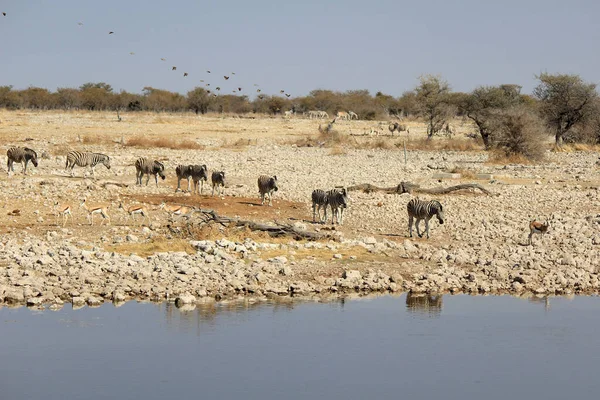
<point>426,304</point>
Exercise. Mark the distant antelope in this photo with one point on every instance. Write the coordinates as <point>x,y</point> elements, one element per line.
<point>64,210</point>
<point>537,227</point>
<point>342,115</point>
<point>176,210</point>
<point>91,210</point>
<point>289,114</point>
<point>353,115</point>
<point>135,210</point>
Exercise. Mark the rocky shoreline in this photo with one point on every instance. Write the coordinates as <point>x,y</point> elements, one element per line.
<point>54,272</point>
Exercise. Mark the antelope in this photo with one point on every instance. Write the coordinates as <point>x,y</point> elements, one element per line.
<point>135,209</point>
<point>289,114</point>
<point>537,227</point>
<point>99,209</point>
<point>64,210</point>
<point>352,115</point>
<point>342,115</point>
<point>176,210</point>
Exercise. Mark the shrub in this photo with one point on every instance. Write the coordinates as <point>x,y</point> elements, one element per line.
<point>519,132</point>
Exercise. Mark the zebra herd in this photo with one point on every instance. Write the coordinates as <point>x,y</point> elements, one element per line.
<point>335,200</point>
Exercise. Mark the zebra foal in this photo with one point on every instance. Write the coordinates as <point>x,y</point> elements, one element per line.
<point>21,155</point>
<point>84,159</point>
<point>145,166</point>
<point>218,181</point>
<point>420,209</point>
<point>266,186</point>
<point>200,175</point>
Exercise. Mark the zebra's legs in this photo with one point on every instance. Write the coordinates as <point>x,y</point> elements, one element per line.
<point>24,166</point>
<point>417,226</point>
<point>314,207</point>
<point>188,179</point>
<point>427,227</point>
<point>341,221</point>
<point>410,225</point>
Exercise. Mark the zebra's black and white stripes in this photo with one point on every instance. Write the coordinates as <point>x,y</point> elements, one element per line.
<point>84,159</point>
<point>420,209</point>
<point>218,181</point>
<point>145,166</point>
<point>266,186</point>
<point>199,174</point>
<point>319,201</point>
<point>337,199</point>
<point>21,155</point>
<point>183,172</point>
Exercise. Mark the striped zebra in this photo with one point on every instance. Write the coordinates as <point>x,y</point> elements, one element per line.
<point>200,175</point>
<point>21,155</point>
<point>84,159</point>
<point>266,186</point>
<point>338,201</point>
<point>218,181</point>
<point>183,172</point>
<point>145,166</point>
<point>319,200</point>
<point>421,209</point>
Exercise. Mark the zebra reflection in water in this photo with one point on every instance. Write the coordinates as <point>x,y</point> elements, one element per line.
<point>427,304</point>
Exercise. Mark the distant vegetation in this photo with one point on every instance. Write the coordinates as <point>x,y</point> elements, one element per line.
<point>507,121</point>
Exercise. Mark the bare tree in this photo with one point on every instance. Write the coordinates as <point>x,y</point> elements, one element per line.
<point>565,102</point>
<point>432,98</point>
<point>519,131</point>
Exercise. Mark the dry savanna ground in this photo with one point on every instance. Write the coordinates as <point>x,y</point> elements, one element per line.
<point>480,230</point>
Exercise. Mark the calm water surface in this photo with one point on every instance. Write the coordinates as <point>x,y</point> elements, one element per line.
<point>455,347</point>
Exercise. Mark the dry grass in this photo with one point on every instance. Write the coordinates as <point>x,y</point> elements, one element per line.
<point>443,144</point>
<point>568,148</point>
<point>240,144</point>
<point>159,245</point>
<point>96,139</point>
<point>500,158</point>
<point>168,143</point>
<point>464,172</point>
<point>337,151</point>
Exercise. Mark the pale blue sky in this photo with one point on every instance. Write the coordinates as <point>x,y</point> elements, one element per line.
<point>379,45</point>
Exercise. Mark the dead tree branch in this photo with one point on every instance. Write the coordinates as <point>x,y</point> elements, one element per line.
<point>408,187</point>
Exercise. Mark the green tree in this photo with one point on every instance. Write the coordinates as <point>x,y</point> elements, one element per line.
<point>433,102</point>
<point>484,103</point>
<point>198,100</point>
<point>519,131</point>
<point>565,101</point>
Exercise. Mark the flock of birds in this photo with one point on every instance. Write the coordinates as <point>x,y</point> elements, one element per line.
<point>212,92</point>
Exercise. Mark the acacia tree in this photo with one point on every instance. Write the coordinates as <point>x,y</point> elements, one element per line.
<point>565,101</point>
<point>484,103</point>
<point>198,100</point>
<point>432,99</point>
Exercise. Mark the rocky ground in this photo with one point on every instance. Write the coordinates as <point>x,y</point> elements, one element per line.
<point>482,247</point>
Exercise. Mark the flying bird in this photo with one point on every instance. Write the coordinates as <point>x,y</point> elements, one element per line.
<point>218,88</point>
<point>185,74</point>
<point>4,14</point>
<point>173,68</point>
<point>208,71</point>
<point>208,91</point>
<point>287,95</point>
<point>80,23</point>
<point>132,53</point>
<point>208,84</point>
<point>282,91</point>
<point>256,84</point>
<point>258,90</point>
<point>233,73</point>
<point>261,97</point>
<point>110,33</point>
<point>240,89</point>
<point>163,59</point>
<point>201,80</point>
<point>226,77</point>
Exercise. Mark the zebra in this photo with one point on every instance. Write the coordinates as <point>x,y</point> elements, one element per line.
<point>183,172</point>
<point>421,209</point>
<point>323,114</point>
<point>319,200</point>
<point>352,115</point>
<point>21,155</point>
<point>145,166</point>
<point>266,186</point>
<point>218,180</point>
<point>200,174</point>
<point>289,114</point>
<point>338,201</point>
<point>85,159</point>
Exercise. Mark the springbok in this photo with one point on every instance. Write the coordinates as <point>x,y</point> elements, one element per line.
<point>537,227</point>
<point>96,209</point>
<point>342,115</point>
<point>64,210</point>
<point>134,210</point>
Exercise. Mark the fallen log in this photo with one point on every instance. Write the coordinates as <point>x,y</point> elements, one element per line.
<point>274,230</point>
<point>408,187</point>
